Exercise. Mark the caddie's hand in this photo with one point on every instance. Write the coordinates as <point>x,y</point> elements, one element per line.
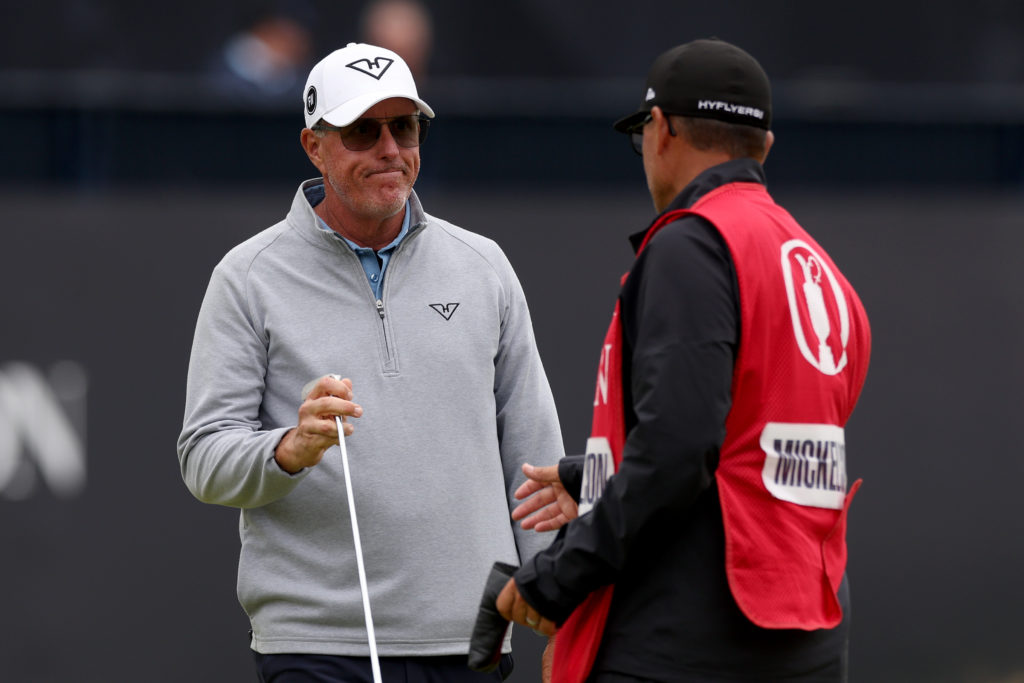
<point>547,660</point>
<point>323,400</point>
<point>548,505</point>
<point>513,606</point>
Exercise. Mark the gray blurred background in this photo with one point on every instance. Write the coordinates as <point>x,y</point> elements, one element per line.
<point>139,142</point>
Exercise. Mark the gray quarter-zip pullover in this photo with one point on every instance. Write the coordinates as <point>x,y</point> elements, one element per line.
<point>455,400</point>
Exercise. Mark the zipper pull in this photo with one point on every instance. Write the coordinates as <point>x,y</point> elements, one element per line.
<point>380,308</point>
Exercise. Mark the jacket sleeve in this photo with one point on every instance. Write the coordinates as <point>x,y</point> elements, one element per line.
<point>680,327</point>
<point>570,473</point>
<point>527,423</point>
<point>226,456</point>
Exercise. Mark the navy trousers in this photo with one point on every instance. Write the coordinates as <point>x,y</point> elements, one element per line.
<point>302,668</point>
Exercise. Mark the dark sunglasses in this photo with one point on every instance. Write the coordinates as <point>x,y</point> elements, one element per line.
<point>636,134</point>
<point>408,131</point>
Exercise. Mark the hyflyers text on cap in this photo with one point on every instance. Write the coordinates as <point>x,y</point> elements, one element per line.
<point>707,78</point>
<point>347,82</point>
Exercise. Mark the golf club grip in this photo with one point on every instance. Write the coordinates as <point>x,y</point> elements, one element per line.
<point>490,628</point>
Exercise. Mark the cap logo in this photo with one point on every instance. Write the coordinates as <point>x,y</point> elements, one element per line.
<point>311,100</point>
<point>650,95</point>
<point>372,67</point>
<point>730,108</point>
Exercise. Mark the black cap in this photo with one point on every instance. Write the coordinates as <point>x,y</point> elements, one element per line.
<point>707,78</point>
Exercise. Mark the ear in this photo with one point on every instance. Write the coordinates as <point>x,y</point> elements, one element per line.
<point>768,142</point>
<point>660,125</point>
<point>313,145</point>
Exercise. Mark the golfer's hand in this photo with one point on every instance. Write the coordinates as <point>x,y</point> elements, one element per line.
<point>317,431</point>
<point>514,607</point>
<point>548,505</point>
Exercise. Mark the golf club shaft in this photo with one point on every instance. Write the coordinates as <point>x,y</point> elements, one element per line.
<point>374,661</point>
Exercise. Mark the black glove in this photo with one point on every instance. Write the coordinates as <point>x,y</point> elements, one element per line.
<point>490,628</point>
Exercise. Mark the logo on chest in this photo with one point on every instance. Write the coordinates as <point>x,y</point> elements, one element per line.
<point>446,311</point>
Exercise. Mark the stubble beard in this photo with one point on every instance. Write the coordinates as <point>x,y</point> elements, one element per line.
<point>372,204</point>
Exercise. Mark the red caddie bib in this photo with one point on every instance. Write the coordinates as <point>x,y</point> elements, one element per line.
<point>803,355</point>
<point>804,348</point>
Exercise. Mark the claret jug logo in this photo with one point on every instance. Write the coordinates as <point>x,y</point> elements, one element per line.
<point>817,307</point>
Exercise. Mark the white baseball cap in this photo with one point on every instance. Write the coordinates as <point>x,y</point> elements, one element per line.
<point>347,82</point>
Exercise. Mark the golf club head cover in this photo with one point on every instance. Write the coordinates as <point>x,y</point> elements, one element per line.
<point>490,628</point>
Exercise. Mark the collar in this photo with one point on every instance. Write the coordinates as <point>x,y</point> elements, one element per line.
<point>314,192</point>
<point>744,170</point>
<point>391,245</point>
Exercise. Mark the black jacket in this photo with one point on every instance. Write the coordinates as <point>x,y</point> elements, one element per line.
<point>657,531</point>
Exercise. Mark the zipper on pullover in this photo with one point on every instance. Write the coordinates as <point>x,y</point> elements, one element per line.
<point>389,354</point>
<point>390,362</point>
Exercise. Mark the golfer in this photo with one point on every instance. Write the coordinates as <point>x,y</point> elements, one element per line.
<point>438,380</point>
